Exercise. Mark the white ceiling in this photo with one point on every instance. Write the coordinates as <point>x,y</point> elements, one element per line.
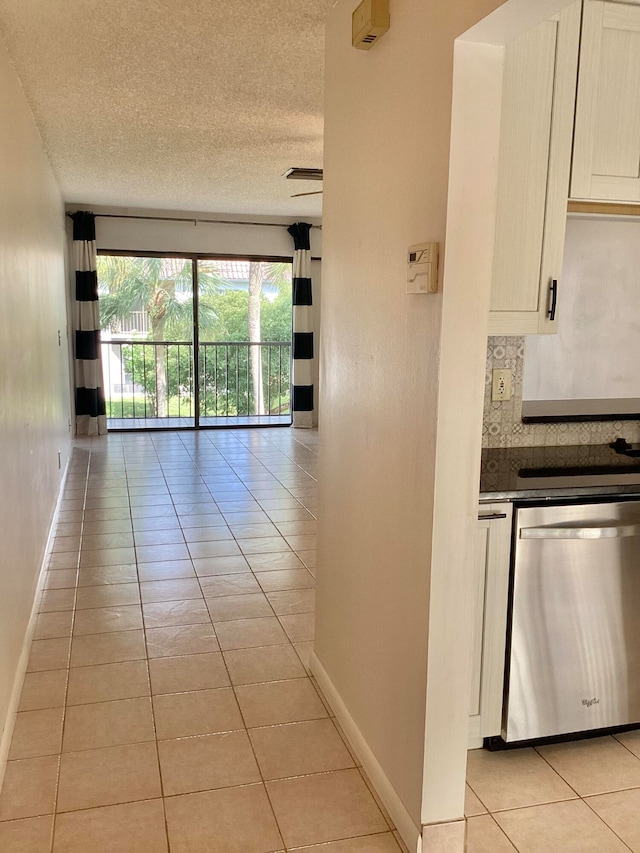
<point>175,104</point>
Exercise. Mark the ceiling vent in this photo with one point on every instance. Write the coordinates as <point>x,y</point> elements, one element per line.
<point>298,174</point>
<point>369,22</point>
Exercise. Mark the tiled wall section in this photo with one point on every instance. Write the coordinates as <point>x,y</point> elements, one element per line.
<point>502,422</point>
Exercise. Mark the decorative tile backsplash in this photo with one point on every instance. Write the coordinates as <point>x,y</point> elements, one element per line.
<point>502,422</point>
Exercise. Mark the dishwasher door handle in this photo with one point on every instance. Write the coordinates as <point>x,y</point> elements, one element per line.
<point>615,531</point>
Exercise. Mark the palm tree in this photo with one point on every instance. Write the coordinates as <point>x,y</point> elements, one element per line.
<point>161,287</point>
<point>257,270</point>
<point>260,272</point>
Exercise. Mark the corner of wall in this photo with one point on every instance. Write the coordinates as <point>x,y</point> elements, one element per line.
<point>409,832</point>
<point>6,732</point>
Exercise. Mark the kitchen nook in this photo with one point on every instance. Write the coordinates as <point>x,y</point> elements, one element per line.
<point>556,666</point>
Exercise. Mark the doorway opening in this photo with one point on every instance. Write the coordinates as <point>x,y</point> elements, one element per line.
<point>191,341</point>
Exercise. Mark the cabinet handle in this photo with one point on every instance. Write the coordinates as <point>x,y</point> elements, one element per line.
<point>490,516</point>
<point>622,531</point>
<point>553,290</point>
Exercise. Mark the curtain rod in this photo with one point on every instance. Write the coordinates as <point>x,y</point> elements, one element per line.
<point>194,220</point>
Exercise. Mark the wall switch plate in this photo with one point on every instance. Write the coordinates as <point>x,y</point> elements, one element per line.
<point>422,268</point>
<point>501,385</point>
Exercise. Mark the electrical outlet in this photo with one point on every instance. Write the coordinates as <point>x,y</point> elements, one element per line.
<point>501,385</point>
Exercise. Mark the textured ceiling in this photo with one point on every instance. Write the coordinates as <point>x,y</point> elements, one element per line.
<point>175,104</point>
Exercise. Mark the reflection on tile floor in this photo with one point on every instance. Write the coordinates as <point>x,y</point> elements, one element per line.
<point>167,703</point>
<point>582,796</point>
<point>176,422</point>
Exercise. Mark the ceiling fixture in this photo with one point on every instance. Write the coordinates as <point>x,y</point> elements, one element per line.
<point>304,174</point>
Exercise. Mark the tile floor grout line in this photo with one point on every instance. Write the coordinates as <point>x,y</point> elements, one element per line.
<point>610,828</point>
<point>70,651</point>
<point>535,805</point>
<point>255,757</point>
<point>253,752</point>
<point>503,832</point>
<point>557,772</point>
<point>148,669</point>
<point>478,796</point>
<point>615,737</point>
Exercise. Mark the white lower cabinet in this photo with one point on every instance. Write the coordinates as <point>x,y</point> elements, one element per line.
<point>491,593</point>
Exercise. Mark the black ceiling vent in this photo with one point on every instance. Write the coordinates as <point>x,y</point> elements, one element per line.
<point>301,174</point>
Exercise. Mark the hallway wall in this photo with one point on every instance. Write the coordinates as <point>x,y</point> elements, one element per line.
<point>34,371</point>
<point>387,137</point>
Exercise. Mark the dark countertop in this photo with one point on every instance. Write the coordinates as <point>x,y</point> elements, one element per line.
<point>515,473</point>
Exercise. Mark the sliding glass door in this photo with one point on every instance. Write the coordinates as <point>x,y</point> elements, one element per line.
<point>146,309</point>
<point>195,341</point>
<point>244,341</point>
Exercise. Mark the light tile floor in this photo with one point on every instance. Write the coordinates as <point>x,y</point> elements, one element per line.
<point>167,703</point>
<point>573,797</point>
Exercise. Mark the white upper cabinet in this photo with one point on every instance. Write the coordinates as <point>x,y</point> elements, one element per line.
<point>539,85</point>
<point>606,155</point>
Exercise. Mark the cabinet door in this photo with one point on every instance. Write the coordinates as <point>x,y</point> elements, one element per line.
<point>535,157</point>
<point>606,157</point>
<point>491,587</point>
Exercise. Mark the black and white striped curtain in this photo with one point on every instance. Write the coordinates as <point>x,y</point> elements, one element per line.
<point>302,406</point>
<point>91,416</point>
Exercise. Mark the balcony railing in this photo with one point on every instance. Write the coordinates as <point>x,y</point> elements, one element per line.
<point>151,381</point>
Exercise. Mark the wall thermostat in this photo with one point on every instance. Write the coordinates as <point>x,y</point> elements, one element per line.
<point>422,268</point>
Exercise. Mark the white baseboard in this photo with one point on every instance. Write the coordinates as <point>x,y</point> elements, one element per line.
<point>18,681</point>
<point>409,831</point>
<point>475,738</point>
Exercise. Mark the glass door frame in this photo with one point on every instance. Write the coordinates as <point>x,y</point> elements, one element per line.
<point>195,257</point>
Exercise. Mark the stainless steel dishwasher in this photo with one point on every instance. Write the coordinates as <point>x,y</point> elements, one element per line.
<point>573,663</point>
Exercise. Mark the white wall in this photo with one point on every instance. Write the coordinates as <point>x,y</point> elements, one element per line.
<point>193,234</point>
<point>387,128</point>
<point>595,354</point>
<point>34,371</point>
